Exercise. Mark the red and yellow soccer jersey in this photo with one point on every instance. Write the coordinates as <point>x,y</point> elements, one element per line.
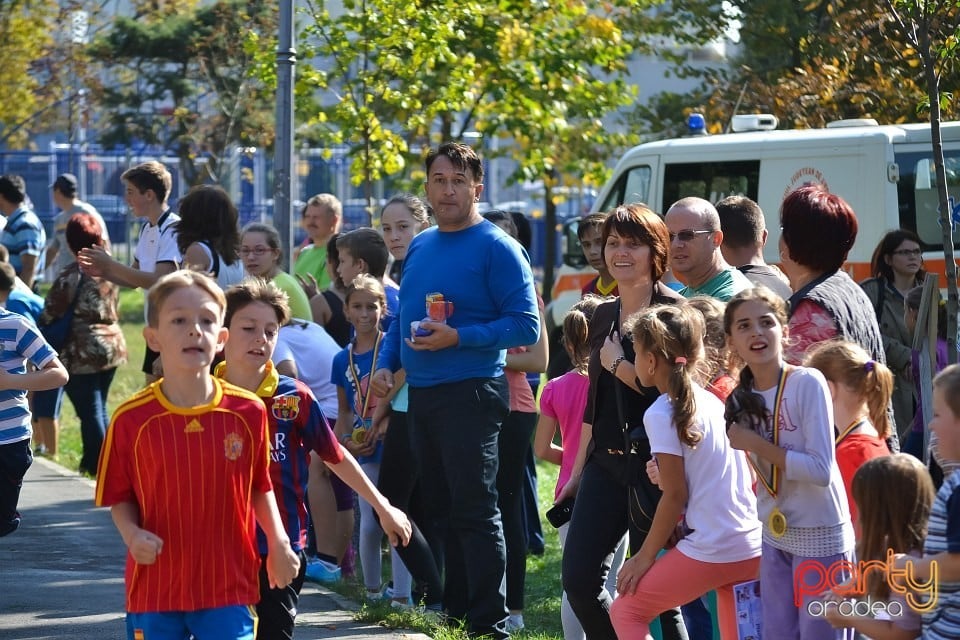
<point>192,472</point>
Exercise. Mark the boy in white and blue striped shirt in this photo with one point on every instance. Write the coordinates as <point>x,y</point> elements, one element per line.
<point>20,343</point>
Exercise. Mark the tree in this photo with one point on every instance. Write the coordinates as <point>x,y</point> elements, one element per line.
<point>931,29</point>
<point>806,62</point>
<point>402,75</point>
<point>179,79</point>
<point>25,42</point>
<point>554,82</point>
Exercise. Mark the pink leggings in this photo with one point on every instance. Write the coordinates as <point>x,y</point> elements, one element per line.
<point>675,579</point>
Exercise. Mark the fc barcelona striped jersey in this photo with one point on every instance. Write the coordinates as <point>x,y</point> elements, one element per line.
<point>192,472</point>
<point>296,427</point>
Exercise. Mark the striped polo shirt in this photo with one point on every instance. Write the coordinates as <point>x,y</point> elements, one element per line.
<point>20,342</point>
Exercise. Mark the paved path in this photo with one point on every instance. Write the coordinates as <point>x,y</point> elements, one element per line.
<point>61,573</point>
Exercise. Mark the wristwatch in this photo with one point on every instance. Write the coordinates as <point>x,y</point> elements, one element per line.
<point>616,363</point>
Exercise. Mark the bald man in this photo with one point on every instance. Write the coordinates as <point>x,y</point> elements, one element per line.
<point>695,256</point>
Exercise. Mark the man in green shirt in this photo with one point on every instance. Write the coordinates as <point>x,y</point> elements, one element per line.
<point>322,217</point>
<point>695,257</point>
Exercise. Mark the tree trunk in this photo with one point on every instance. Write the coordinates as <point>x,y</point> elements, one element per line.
<point>550,239</point>
<point>946,214</point>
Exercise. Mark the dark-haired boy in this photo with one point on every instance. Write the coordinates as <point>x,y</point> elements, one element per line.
<point>23,234</point>
<point>591,240</point>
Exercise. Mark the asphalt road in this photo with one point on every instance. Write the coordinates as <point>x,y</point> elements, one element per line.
<point>61,573</point>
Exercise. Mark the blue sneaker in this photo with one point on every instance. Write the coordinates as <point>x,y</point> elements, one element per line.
<point>322,572</point>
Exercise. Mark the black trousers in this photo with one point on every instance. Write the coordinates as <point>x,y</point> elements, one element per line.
<point>456,428</point>
<point>399,482</point>
<point>277,609</point>
<point>513,448</point>
<point>600,518</point>
<point>15,459</point>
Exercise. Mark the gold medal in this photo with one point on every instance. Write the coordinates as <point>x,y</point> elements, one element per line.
<point>777,522</point>
<point>359,435</point>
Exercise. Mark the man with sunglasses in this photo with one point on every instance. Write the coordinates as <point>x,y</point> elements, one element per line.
<point>695,257</point>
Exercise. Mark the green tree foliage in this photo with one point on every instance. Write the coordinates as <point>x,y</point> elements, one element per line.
<point>179,77</point>
<point>26,42</point>
<point>931,31</point>
<point>542,79</point>
<point>808,62</point>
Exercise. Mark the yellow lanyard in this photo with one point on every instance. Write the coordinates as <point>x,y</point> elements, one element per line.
<point>773,485</point>
<point>364,398</point>
<point>850,427</point>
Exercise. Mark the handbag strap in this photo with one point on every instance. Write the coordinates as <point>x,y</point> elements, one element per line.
<point>617,391</point>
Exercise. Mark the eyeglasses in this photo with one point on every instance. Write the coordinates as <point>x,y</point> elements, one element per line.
<point>687,235</point>
<point>258,251</point>
<point>908,252</point>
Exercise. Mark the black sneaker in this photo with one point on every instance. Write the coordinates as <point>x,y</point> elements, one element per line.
<point>10,527</point>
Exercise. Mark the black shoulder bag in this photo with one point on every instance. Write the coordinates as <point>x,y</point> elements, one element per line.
<point>642,495</point>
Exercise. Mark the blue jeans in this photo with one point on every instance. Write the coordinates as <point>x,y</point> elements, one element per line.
<point>455,429</point>
<point>88,393</point>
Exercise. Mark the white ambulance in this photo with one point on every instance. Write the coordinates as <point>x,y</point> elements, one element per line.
<point>884,172</point>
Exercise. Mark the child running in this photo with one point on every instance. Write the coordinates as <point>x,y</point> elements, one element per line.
<point>562,402</point>
<point>894,495</point>
<point>861,390</point>
<point>184,469</point>
<point>365,305</point>
<point>704,480</point>
<point>782,416</point>
<point>256,310</point>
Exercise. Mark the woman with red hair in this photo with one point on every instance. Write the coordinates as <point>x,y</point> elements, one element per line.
<point>94,346</point>
<point>817,231</point>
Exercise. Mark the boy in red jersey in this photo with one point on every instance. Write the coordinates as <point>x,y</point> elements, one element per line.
<point>185,469</point>
<point>256,309</point>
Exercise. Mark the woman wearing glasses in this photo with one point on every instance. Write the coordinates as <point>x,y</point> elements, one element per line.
<point>897,267</point>
<point>260,252</point>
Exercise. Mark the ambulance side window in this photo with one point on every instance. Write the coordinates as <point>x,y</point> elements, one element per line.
<point>632,186</point>
<point>918,198</point>
<point>711,181</point>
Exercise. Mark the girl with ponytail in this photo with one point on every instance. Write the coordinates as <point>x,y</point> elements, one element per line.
<point>705,483</point>
<point>782,416</point>
<point>861,389</point>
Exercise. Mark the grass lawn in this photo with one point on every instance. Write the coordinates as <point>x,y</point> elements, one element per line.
<point>542,613</point>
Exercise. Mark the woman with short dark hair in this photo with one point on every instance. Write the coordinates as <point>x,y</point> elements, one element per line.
<point>613,493</point>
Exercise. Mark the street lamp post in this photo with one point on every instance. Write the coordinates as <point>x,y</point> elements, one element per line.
<point>283,154</point>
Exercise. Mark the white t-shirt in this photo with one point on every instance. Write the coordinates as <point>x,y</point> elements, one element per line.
<point>721,506</point>
<point>312,349</point>
<point>157,243</point>
<point>227,274</point>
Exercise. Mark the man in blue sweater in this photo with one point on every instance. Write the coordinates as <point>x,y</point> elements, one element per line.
<point>458,396</point>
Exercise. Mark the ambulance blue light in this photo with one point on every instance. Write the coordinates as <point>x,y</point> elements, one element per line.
<point>696,125</point>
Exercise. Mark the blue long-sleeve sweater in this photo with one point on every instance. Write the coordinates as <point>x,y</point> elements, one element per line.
<point>486,275</point>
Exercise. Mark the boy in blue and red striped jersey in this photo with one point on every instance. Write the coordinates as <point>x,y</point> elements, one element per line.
<point>256,310</point>
<point>20,342</point>
<point>185,470</point>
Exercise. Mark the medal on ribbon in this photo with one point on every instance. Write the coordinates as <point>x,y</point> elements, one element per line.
<point>770,476</point>
<point>777,523</point>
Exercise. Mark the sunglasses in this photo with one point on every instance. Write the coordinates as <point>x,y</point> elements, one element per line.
<point>687,235</point>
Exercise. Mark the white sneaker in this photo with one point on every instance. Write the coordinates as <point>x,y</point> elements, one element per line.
<point>515,622</point>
